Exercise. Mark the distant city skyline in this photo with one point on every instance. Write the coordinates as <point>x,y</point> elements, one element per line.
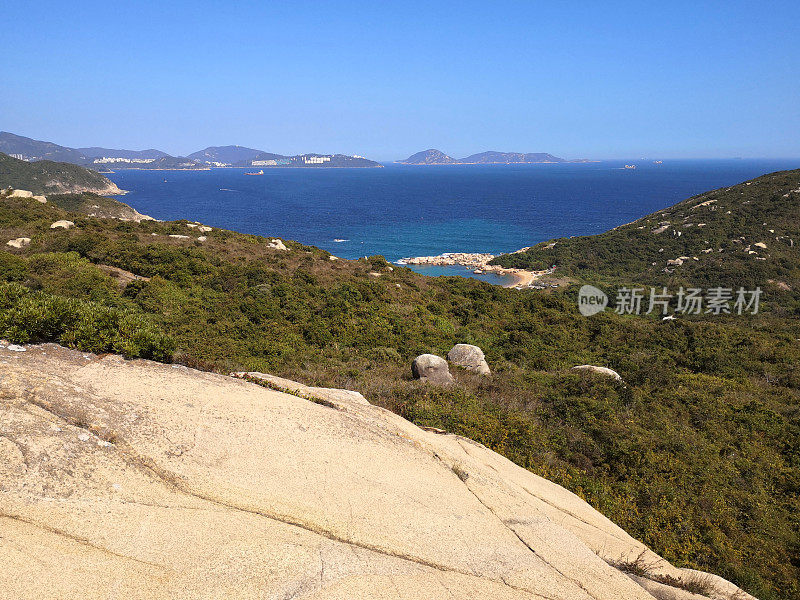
<point>383,80</point>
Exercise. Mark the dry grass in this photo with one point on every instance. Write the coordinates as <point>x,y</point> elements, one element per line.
<point>695,583</point>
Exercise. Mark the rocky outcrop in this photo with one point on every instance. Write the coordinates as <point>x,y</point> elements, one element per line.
<point>430,368</point>
<point>479,262</point>
<point>277,244</point>
<point>470,358</point>
<point>20,242</point>
<point>101,189</point>
<point>331,395</point>
<point>63,224</point>
<point>132,479</point>
<point>122,277</point>
<point>604,371</point>
<point>12,193</point>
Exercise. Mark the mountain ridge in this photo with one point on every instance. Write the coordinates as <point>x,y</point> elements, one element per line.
<point>97,152</point>
<point>95,157</point>
<point>489,157</point>
<point>232,154</point>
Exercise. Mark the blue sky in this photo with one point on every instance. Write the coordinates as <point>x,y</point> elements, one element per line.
<point>385,79</point>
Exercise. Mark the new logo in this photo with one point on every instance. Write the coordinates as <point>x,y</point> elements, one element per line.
<point>591,300</point>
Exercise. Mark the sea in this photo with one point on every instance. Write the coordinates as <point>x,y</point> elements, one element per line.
<point>400,211</point>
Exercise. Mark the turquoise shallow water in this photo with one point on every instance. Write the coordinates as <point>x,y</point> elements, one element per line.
<point>401,211</point>
<point>460,272</point>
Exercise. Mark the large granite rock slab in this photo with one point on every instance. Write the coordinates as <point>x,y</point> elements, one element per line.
<point>138,480</point>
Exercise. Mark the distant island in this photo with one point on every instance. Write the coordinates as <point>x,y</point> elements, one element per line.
<point>437,157</point>
<point>104,159</point>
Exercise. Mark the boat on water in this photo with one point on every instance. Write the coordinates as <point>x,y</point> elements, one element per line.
<point>261,172</point>
<point>658,162</point>
<point>630,166</point>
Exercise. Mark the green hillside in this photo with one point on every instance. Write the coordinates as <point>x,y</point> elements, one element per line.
<point>47,177</point>
<point>744,235</point>
<point>696,452</point>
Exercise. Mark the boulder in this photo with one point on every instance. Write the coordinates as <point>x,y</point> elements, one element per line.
<point>19,242</point>
<point>41,199</point>
<point>62,225</point>
<point>597,370</point>
<point>277,244</point>
<point>469,357</point>
<point>431,369</point>
<point>204,229</point>
<point>20,194</point>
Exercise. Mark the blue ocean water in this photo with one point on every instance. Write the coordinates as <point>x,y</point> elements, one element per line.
<point>401,211</point>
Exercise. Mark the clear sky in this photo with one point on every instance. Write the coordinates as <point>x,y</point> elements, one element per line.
<point>385,79</point>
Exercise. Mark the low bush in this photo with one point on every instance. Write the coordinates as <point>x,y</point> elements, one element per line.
<point>28,316</point>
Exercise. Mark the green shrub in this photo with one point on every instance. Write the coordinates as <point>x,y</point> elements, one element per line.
<point>33,317</point>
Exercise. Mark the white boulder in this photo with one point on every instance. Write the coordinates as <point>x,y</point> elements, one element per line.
<point>431,369</point>
<point>19,242</point>
<point>597,370</point>
<point>470,358</point>
<point>277,244</point>
<point>63,224</point>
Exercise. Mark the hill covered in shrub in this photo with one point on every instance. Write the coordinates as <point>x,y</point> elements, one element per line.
<point>48,177</point>
<point>696,452</point>
<point>744,235</point>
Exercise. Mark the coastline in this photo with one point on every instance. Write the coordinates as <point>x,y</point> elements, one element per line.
<point>479,262</point>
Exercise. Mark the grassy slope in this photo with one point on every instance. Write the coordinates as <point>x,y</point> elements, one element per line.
<point>47,177</point>
<point>94,205</point>
<point>697,454</point>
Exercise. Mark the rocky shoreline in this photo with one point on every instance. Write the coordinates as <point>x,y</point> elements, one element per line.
<point>479,262</point>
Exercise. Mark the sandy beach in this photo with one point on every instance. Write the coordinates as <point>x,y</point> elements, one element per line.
<point>521,278</point>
